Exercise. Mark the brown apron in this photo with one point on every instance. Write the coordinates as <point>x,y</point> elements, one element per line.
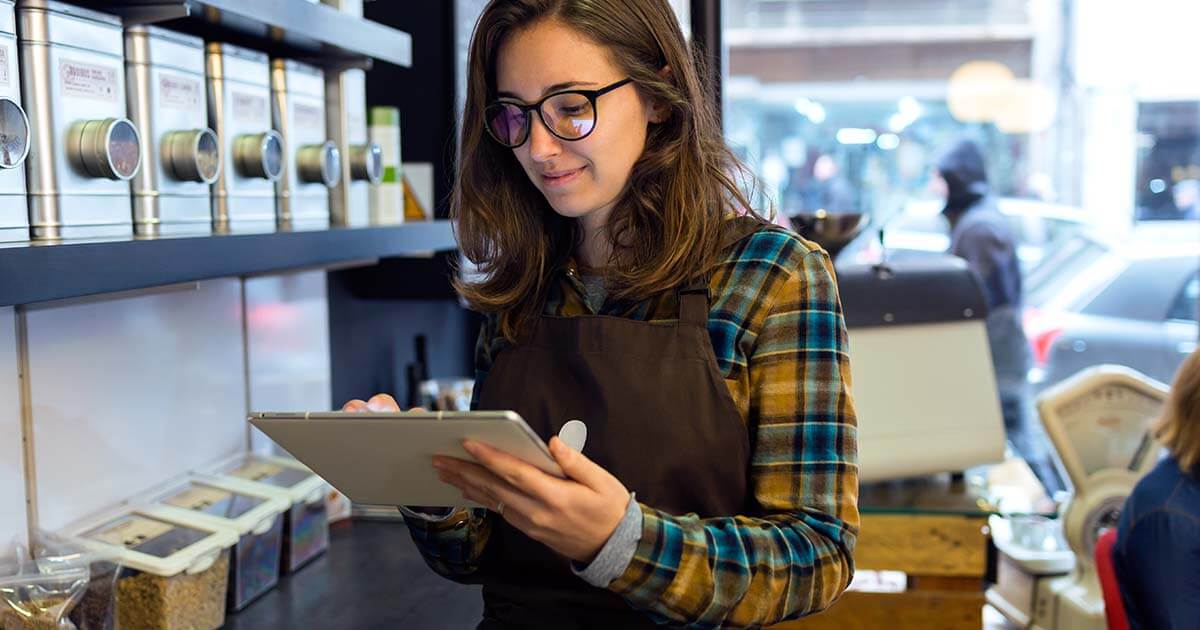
<point>659,417</point>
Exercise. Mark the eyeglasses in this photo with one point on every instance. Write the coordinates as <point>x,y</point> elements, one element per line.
<point>569,115</point>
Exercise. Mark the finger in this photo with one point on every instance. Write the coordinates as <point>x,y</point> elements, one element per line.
<point>514,471</point>
<point>490,493</point>
<point>382,402</point>
<point>578,467</point>
<point>355,406</point>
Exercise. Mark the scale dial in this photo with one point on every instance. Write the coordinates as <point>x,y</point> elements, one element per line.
<point>1099,420</point>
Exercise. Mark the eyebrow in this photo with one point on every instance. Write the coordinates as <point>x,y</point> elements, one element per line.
<point>557,87</point>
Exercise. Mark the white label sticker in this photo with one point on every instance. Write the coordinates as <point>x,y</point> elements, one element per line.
<point>357,122</point>
<point>256,470</point>
<point>198,498</point>
<point>88,80</point>
<point>309,117</point>
<point>131,531</point>
<point>250,107</point>
<point>4,78</point>
<point>179,92</point>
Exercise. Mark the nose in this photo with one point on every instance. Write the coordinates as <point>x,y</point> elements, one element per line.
<point>543,145</point>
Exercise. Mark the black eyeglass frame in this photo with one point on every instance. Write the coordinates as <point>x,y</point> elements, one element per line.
<point>591,95</point>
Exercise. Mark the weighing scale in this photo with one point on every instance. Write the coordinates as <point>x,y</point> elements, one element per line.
<point>1099,422</point>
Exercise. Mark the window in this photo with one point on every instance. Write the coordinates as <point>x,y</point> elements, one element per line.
<point>1087,116</point>
<point>1186,305</point>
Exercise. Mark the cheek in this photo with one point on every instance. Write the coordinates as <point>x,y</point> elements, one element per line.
<point>614,149</point>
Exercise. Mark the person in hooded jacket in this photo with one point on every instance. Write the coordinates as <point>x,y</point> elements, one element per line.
<point>982,236</point>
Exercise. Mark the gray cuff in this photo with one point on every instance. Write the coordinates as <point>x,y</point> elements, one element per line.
<point>617,553</point>
<point>433,515</point>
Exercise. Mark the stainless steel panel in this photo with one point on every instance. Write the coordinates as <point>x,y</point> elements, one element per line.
<point>12,470</point>
<point>317,29</point>
<point>181,155</point>
<point>314,163</point>
<point>160,392</point>
<point>14,127</point>
<point>59,23</point>
<point>287,345</point>
<point>239,105</point>
<point>346,121</point>
<point>72,72</point>
<point>8,18</point>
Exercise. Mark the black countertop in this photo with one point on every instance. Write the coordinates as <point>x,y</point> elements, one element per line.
<point>371,577</point>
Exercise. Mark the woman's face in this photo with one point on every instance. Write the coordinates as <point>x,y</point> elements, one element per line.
<point>582,178</point>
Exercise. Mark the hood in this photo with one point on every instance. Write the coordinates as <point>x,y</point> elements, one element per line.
<point>966,176</point>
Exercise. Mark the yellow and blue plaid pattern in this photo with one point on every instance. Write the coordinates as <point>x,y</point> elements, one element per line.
<point>776,326</point>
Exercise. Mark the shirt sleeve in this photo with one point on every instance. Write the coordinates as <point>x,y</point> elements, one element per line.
<point>453,545</point>
<point>795,555</point>
<point>617,551</point>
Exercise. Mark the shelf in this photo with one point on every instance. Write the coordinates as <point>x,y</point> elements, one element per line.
<point>36,272</point>
<point>316,33</point>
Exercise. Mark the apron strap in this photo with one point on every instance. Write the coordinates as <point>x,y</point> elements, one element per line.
<point>693,303</point>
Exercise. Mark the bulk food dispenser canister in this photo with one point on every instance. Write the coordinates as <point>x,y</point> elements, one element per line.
<point>362,160</point>
<point>83,150</point>
<point>314,164</point>
<point>239,109</point>
<point>181,155</point>
<point>14,134</point>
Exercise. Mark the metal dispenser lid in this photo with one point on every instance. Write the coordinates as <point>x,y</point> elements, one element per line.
<point>109,148</point>
<point>14,134</point>
<point>319,163</point>
<point>259,155</point>
<point>366,162</point>
<point>193,155</point>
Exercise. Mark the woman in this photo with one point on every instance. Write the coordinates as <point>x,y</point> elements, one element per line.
<point>1157,555</point>
<point>626,287</point>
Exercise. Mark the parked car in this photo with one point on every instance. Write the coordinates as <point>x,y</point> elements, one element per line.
<point>921,230</point>
<point>1129,300</point>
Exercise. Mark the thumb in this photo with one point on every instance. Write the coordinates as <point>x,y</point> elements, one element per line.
<point>577,466</point>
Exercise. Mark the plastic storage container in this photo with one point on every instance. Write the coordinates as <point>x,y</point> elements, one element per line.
<point>175,574</point>
<point>306,527</point>
<point>256,516</point>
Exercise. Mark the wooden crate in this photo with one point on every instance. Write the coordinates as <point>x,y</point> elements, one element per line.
<point>944,557</point>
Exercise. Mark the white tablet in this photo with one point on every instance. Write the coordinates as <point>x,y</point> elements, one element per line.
<point>387,458</point>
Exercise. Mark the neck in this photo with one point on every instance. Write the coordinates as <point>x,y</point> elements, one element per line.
<point>596,247</point>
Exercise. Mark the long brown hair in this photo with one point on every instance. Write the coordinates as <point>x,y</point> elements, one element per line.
<point>667,225</point>
<point>1179,427</point>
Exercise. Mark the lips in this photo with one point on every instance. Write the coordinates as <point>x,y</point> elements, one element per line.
<point>558,178</point>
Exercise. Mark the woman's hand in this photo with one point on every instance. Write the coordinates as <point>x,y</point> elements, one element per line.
<point>378,402</point>
<point>573,516</point>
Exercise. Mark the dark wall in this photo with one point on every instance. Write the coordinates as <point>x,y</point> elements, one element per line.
<point>425,92</point>
<point>375,312</point>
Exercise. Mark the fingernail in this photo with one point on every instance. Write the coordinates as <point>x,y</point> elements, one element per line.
<point>470,446</point>
<point>439,463</point>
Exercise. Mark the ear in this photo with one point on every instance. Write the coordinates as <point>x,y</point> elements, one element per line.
<point>660,111</point>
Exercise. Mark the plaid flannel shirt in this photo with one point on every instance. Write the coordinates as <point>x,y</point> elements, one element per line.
<point>776,326</point>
